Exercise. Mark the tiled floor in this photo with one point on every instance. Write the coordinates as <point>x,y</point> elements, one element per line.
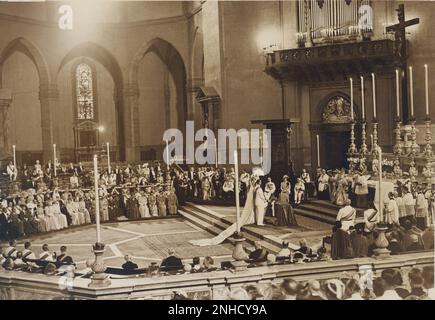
<point>146,241</point>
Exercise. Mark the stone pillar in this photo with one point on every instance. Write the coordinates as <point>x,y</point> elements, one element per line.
<point>49,99</point>
<point>131,121</point>
<point>194,108</point>
<point>5,102</point>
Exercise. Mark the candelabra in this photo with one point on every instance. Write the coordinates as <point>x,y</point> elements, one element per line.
<point>415,148</point>
<point>364,150</point>
<point>352,147</point>
<point>428,148</point>
<point>375,138</point>
<point>398,146</point>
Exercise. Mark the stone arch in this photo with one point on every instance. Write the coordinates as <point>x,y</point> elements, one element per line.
<point>323,104</point>
<point>175,64</point>
<point>46,92</point>
<point>30,50</point>
<point>105,58</point>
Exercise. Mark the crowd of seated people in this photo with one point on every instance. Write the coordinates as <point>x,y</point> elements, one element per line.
<point>47,262</point>
<point>350,240</point>
<point>390,284</point>
<point>39,205</point>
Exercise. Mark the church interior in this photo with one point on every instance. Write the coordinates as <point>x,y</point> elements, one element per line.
<point>344,85</point>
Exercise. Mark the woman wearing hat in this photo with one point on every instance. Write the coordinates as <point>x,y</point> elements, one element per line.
<point>284,195</point>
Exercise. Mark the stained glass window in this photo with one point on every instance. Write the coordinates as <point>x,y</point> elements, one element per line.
<point>85,92</point>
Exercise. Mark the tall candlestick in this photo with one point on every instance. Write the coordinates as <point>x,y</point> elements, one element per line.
<point>374,95</point>
<point>216,152</point>
<point>426,83</point>
<point>381,200</point>
<point>109,169</point>
<point>351,98</point>
<point>15,155</point>
<point>397,94</point>
<point>362,99</point>
<point>236,190</point>
<point>411,91</point>
<point>318,150</point>
<point>167,155</point>
<point>97,199</point>
<point>54,159</point>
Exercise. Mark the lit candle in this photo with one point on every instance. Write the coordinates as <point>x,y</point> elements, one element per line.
<point>236,190</point>
<point>426,83</point>
<point>318,150</point>
<point>15,155</point>
<point>167,154</point>
<point>397,94</point>
<point>109,169</point>
<point>97,199</point>
<point>54,159</point>
<point>374,95</point>
<point>362,99</point>
<point>351,98</point>
<point>411,91</point>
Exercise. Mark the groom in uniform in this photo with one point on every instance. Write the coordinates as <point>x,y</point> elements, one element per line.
<point>260,204</point>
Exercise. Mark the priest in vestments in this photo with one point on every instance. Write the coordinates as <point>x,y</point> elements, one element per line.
<point>361,191</point>
<point>346,216</point>
<point>391,210</point>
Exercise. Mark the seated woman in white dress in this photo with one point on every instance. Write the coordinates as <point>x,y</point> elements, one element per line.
<point>82,209</point>
<point>52,221</point>
<point>75,217</point>
<point>61,218</point>
<point>41,218</point>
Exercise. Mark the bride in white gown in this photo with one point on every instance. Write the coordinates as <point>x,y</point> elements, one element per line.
<point>247,217</point>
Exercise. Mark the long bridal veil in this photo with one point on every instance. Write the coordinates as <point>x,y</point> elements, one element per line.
<point>247,217</point>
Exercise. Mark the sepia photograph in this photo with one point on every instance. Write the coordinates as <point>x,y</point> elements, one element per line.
<point>217,150</point>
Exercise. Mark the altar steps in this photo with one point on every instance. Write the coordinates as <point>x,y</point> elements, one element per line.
<point>319,210</point>
<point>323,211</point>
<point>215,224</point>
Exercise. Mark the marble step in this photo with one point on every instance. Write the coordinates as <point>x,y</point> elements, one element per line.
<point>322,210</point>
<point>211,222</point>
<point>315,215</point>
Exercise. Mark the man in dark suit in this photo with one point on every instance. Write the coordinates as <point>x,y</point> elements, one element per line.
<point>172,262</point>
<point>259,254</point>
<point>63,259</point>
<point>129,265</point>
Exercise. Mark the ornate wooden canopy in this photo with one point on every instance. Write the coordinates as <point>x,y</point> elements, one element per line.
<point>332,62</point>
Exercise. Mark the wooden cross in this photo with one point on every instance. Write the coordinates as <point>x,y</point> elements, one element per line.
<point>401,52</point>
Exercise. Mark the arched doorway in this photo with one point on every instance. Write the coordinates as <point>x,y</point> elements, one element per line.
<point>333,130</point>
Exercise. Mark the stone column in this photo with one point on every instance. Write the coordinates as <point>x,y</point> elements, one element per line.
<point>5,102</point>
<point>49,99</point>
<point>194,108</point>
<point>131,121</point>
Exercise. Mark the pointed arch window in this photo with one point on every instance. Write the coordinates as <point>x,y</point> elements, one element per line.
<point>84,92</point>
